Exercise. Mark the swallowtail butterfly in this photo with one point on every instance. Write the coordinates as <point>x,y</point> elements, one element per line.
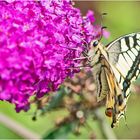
<point>115,67</point>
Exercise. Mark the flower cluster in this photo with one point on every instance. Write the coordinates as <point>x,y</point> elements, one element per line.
<point>38,42</point>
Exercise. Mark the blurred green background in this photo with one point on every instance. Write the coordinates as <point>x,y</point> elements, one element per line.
<point>122,18</point>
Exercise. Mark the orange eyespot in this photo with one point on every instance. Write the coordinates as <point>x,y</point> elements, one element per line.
<point>109,112</point>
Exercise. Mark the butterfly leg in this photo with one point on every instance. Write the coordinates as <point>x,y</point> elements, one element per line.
<point>80,67</point>
<point>85,57</point>
<point>80,58</point>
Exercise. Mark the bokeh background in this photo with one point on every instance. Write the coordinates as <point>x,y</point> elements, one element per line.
<point>122,18</point>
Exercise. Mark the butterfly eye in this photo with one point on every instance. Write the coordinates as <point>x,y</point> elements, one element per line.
<point>95,43</point>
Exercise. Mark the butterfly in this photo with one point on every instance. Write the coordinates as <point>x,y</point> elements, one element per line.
<point>115,67</point>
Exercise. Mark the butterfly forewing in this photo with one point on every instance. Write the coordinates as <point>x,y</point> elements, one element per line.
<point>124,55</point>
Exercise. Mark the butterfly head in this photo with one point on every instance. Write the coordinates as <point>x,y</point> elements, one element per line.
<point>96,45</point>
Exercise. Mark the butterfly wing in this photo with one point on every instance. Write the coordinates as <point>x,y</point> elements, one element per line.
<point>124,55</point>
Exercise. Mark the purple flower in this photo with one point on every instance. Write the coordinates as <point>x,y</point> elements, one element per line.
<point>38,42</point>
<point>90,16</point>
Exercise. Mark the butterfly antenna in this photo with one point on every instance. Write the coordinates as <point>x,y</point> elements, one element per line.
<point>102,16</point>
<point>102,27</point>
